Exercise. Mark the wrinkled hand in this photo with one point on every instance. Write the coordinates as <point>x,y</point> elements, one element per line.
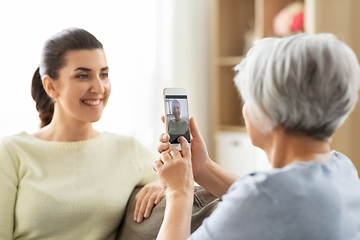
<point>199,154</point>
<point>149,196</point>
<point>175,170</point>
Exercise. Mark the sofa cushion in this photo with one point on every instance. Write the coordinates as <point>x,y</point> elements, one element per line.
<point>204,204</point>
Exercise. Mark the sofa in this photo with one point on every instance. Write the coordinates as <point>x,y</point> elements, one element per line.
<point>204,204</point>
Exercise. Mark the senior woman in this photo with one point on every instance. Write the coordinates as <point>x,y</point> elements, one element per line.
<point>297,91</point>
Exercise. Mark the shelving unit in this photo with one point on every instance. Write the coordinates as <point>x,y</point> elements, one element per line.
<point>232,19</point>
<point>342,19</point>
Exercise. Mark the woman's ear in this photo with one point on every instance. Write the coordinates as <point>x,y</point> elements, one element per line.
<point>49,86</point>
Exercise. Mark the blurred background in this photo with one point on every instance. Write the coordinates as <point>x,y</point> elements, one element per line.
<point>153,44</point>
<point>149,44</point>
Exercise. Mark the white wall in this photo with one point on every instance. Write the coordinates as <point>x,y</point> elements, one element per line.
<point>150,44</point>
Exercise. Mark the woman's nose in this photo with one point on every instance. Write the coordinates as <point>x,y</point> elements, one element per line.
<point>97,86</point>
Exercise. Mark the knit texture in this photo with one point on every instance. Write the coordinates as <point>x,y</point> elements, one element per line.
<point>68,190</point>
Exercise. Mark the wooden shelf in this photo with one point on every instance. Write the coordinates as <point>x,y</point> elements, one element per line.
<point>232,128</point>
<point>229,61</point>
<point>265,12</point>
<point>230,110</point>
<point>235,17</point>
<point>232,20</point>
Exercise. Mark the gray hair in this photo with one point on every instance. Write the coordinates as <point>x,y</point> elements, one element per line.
<point>305,83</point>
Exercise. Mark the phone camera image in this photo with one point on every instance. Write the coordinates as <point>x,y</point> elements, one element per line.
<point>177,117</point>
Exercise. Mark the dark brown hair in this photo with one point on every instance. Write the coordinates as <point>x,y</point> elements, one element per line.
<point>53,58</point>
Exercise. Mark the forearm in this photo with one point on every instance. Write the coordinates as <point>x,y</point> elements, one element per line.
<point>215,179</point>
<point>177,218</point>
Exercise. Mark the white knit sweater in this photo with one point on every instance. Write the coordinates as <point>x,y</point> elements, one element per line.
<point>68,190</point>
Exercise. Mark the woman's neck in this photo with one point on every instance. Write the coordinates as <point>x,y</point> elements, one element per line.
<point>67,131</point>
<point>289,148</point>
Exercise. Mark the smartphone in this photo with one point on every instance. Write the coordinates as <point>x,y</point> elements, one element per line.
<point>176,116</point>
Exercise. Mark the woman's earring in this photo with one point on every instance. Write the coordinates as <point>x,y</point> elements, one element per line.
<point>55,101</point>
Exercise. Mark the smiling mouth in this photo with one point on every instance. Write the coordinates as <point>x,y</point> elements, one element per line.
<point>92,102</point>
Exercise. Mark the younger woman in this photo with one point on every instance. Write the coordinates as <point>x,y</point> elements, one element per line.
<point>69,181</point>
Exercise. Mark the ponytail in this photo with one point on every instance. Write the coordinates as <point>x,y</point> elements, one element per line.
<point>44,104</point>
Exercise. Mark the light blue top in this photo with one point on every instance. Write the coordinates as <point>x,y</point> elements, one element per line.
<point>300,201</point>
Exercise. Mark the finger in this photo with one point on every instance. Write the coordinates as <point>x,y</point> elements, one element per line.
<point>150,205</point>
<point>163,147</point>
<point>165,157</point>
<point>148,209</point>
<point>139,196</point>
<point>194,128</point>
<point>159,197</point>
<point>163,118</point>
<point>185,149</point>
<point>164,137</point>
<point>174,153</point>
<point>157,165</point>
<point>140,216</point>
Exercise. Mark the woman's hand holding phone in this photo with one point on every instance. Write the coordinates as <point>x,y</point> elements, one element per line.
<point>175,170</point>
<point>208,174</point>
<point>199,154</point>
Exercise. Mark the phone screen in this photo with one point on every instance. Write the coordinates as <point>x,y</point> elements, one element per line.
<point>177,117</point>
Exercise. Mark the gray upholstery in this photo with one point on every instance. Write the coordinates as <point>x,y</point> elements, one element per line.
<point>204,205</point>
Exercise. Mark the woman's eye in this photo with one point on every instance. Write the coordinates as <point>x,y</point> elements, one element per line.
<point>82,76</point>
<point>104,75</point>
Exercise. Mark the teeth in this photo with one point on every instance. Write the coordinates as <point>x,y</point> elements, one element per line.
<point>91,103</point>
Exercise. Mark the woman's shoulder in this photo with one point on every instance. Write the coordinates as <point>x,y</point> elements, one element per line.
<point>290,201</point>
<point>15,139</point>
<point>280,178</point>
<point>303,193</point>
<point>122,142</point>
<point>119,138</point>
<point>9,145</point>
<point>299,181</point>
<point>264,180</point>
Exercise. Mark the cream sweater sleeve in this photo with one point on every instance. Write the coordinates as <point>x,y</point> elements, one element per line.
<point>8,188</point>
<point>145,159</point>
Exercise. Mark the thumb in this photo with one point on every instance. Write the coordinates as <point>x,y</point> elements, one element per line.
<point>185,149</point>
<point>194,129</point>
